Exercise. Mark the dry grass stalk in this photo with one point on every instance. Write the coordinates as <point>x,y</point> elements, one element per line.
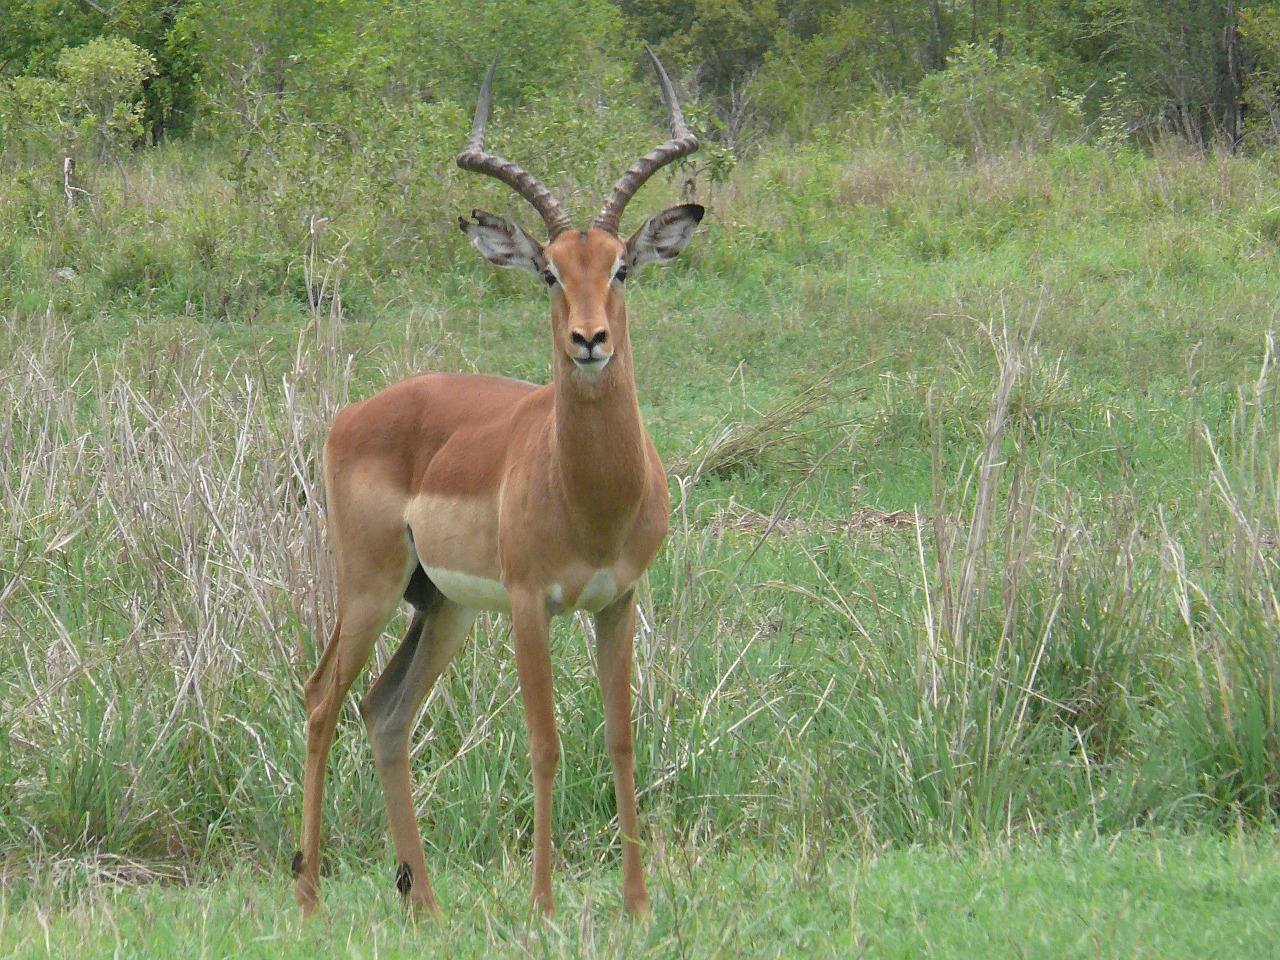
<point>960,593</point>
<point>736,445</point>
<point>736,518</point>
<point>166,526</point>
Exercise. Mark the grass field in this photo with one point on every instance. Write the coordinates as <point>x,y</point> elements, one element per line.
<point>1143,896</point>
<point>976,486</point>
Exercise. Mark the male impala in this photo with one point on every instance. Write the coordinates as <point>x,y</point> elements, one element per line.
<point>461,493</point>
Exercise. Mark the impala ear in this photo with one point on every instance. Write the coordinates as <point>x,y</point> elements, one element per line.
<point>503,241</point>
<point>664,235</point>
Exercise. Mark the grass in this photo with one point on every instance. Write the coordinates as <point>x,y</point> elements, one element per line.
<point>974,472</point>
<point>1140,896</point>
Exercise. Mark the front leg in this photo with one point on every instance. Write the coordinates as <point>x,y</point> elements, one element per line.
<point>531,624</point>
<point>615,637</point>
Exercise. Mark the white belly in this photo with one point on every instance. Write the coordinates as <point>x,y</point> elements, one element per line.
<point>480,593</point>
<point>470,591</point>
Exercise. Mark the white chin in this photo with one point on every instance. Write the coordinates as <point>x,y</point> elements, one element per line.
<point>591,369</point>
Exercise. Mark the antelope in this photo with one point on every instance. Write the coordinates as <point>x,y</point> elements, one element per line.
<point>462,492</point>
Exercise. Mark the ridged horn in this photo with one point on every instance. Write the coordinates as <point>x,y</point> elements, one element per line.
<point>681,144</point>
<point>478,160</point>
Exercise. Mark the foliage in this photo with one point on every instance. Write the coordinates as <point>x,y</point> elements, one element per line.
<point>725,38</point>
<point>1260,31</point>
<point>95,104</point>
<point>1183,64</point>
<point>103,82</point>
<point>1140,66</point>
<point>363,58</point>
<point>33,112</point>
<point>36,31</point>
<point>169,32</point>
<point>861,49</point>
<point>983,105</point>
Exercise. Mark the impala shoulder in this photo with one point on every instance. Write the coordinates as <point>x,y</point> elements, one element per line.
<point>659,488</point>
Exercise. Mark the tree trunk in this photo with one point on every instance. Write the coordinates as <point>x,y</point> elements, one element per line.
<point>1231,94</point>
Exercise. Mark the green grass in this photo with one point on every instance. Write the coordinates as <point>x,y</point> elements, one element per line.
<point>1140,896</point>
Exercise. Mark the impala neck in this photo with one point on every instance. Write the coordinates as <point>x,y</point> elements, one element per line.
<point>601,445</point>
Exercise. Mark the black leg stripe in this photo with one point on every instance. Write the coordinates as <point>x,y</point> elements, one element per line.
<point>404,879</point>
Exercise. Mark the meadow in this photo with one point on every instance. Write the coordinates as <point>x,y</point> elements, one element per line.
<point>971,591</point>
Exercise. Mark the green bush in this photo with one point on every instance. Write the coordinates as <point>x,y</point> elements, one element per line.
<point>983,105</point>
<point>1260,31</point>
<point>31,111</point>
<point>104,83</point>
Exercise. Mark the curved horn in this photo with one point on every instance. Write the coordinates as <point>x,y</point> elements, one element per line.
<point>475,158</point>
<point>681,144</point>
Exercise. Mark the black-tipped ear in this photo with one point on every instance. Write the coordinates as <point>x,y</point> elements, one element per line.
<point>664,234</point>
<point>503,241</point>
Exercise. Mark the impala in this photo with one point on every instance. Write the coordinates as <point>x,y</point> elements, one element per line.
<point>460,493</point>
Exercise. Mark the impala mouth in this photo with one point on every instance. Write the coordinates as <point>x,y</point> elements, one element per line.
<point>590,357</point>
<point>592,364</point>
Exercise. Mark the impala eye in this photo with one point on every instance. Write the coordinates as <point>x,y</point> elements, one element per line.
<point>621,275</point>
<point>550,277</point>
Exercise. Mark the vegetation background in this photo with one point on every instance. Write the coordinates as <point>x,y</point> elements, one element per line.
<point>966,632</point>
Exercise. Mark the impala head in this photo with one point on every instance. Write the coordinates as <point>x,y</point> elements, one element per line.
<point>585,270</point>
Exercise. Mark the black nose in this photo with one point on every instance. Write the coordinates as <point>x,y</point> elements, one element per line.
<point>601,337</point>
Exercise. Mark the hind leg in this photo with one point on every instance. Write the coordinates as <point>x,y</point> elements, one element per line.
<point>366,601</point>
<point>390,710</point>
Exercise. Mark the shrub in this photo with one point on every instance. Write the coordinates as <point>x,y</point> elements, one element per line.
<point>1260,31</point>
<point>103,87</point>
<point>31,109</point>
<point>983,105</point>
